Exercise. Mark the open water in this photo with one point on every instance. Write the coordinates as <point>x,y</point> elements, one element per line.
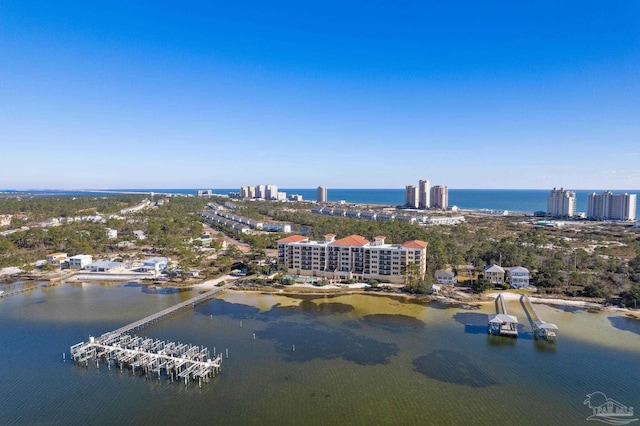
<point>358,359</point>
<point>514,200</point>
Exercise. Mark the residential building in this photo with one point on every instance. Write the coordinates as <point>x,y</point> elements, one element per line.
<point>271,192</point>
<point>446,277</point>
<point>561,203</point>
<point>201,193</point>
<point>610,206</point>
<point>424,194</point>
<point>322,194</point>
<point>139,234</point>
<point>111,233</point>
<point>440,197</point>
<point>494,273</point>
<point>57,259</point>
<point>352,257</point>
<point>79,261</point>
<point>295,197</point>
<point>261,191</point>
<point>518,277</point>
<point>104,266</point>
<point>156,264</point>
<point>411,199</point>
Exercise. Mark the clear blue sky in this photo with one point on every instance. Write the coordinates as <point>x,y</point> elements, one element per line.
<point>348,94</point>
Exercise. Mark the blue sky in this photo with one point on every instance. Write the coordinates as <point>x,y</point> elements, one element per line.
<point>478,94</point>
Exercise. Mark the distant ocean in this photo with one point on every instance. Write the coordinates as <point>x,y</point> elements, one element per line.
<point>513,200</point>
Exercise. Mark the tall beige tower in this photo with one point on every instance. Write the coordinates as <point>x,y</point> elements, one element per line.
<point>440,197</point>
<point>424,194</point>
<point>322,194</point>
<point>411,196</point>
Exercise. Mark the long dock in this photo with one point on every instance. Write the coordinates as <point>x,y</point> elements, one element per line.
<point>541,329</point>
<point>177,361</point>
<point>170,311</point>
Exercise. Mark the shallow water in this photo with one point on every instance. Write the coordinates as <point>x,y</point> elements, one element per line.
<point>358,359</point>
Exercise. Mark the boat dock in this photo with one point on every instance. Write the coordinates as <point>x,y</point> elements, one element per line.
<point>542,330</point>
<point>177,361</point>
<point>501,323</point>
<point>148,356</point>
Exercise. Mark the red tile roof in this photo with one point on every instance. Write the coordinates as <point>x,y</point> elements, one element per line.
<point>415,244</point>
<point>292,239</point>
<point>351,240</point>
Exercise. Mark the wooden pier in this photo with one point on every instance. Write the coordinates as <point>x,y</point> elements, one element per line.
<point>542,330</point>
<point>177,361</point>
<point>150,357</point>
<point>501,323</point>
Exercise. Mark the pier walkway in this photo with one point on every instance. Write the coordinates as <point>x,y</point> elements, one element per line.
<point>170,311</point>
<point>541,329</point>
<point>178,361</point>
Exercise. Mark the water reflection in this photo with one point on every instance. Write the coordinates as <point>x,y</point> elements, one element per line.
<point>452,367</point>
<point>300,342</point>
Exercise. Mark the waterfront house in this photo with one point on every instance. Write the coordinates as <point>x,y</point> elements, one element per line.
<point>156,264</point>
<point>79,261</point>
<point>104,266</point>
<point>495,274</point>
<point>518,277</point>
<point>57,259</point>
<point>446,277</point>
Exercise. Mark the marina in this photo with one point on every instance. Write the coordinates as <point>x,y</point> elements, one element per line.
<point>152,356</point>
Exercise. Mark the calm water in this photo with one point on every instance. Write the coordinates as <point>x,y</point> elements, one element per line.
<point>358,360</point>
<point>515,200</point>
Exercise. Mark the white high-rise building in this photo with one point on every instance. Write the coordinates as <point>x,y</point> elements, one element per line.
<point>271,192</point>
<point>322,194</point>
<point>261,191</point>
<point>411,199</point>
<point>440,197</point>
<point>610,206</point>
<point>424,194</point>
<point>561,203</point>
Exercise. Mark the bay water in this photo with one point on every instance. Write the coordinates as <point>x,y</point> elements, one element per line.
<point>349,359</point>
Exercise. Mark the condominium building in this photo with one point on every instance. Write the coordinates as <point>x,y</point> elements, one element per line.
<point>610,206</point>
<point>424,194</point>
<point>352,257</point>
<point>561,203</point>
<point>440,197</point>
<point>271,192</point>
<point>411,197</point>
<point>322,194</point>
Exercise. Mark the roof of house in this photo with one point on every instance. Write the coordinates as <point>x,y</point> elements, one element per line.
<point>292,239</point>
<point>415,244</point>
<point>81,256</point>
<point>156,260</point>
<point>502,319</point>
<point>493,268</point>
<point>57,254</point>
<point>329,235</point>
<point>517,269</point>
<point>105,264</point>
<point>351,240</point>
<point>445,273</point>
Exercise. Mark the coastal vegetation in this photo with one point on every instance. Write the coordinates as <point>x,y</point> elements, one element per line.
<point>595,261</point>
